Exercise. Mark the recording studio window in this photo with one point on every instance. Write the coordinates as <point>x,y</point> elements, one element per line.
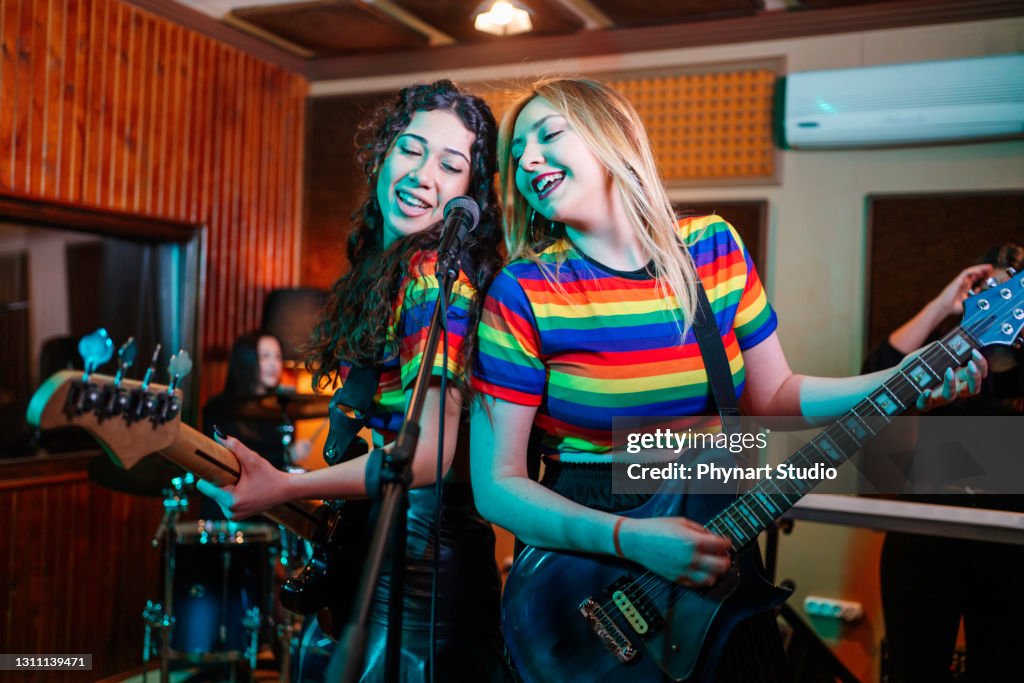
<point>57,286</point>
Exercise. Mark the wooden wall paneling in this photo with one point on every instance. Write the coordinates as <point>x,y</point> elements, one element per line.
<point>27,72</point>
<point>138,173</point>
<point>166,67</point>
<point>7,551</point>
<point>247,225</point>
<point>239,240</point>
<point>76,101</point>
<point>280,175</point>
<point>23,93</point>
<point>334,183</point>
<point>108,105</point>
<point>53,59</point>
<point>93,80</point>
<point>256,248</point>
<point>264,159</point>
<point>133,131</point>
<point>297,165</point>
<point>78,567</point>
<point>8,36</point>
<point>98,127</point>
<point>112,105</point>
<point>162,118</point>
<point>33,17</point>
<point>8,558</point>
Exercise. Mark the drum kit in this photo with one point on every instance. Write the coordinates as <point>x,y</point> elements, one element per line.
<point>221,578</point>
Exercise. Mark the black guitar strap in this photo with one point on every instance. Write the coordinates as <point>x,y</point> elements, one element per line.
<point>716,363</point>
<point>351,407</point>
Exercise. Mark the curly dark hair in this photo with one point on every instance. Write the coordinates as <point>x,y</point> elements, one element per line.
<point>354,326</point>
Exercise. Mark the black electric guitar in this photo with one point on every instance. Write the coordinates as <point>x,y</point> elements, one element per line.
<point>132,419</point>
<point>586,618</point>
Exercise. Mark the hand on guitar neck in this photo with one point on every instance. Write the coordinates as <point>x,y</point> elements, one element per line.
<point>269,486</point>
<point>962,382</point>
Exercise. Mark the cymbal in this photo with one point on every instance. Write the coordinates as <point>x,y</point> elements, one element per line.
<point>149,477</point>
<point>272,407</point>
<point>303,406</point>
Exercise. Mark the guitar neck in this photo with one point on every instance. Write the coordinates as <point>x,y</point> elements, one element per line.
<point>756,509</point>
<point>208,460</point>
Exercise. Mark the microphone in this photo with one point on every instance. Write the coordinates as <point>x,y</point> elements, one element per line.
<point>461,216</point>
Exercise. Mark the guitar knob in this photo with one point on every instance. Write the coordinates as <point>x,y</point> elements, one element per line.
<point>1011,271</point>
<point>173,406</point>
<point>92,398</point>
<point>991,282</point>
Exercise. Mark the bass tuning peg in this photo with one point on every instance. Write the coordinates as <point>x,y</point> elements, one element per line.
<point>179,366</point>
<point>95,349</point>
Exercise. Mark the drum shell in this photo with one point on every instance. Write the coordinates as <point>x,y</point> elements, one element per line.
<point>221,571</point>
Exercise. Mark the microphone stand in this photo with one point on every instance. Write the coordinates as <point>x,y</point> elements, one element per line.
<point>388,476</point>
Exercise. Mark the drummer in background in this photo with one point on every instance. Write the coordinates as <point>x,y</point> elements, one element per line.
<point>254,373</point>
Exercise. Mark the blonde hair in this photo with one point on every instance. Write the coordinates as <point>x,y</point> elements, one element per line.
<point>613,131</point>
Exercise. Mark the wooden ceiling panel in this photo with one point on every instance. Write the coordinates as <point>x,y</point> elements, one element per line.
<point>334,29</point>
<point>456,18</point>
<point>650,12</point>
<point>819,4</point>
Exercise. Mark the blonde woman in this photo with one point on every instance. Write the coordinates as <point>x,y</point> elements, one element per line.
<point>591,320</point>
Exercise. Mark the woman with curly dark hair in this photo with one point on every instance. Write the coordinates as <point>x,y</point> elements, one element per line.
<point>429,144</point>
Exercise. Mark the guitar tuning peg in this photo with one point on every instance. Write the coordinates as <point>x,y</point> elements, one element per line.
<point>1011,271</point>
<point>152,367</point>
<point>95,349</point>
<point>991,282</point>
<point>126,358</point>
<point>179,366</point>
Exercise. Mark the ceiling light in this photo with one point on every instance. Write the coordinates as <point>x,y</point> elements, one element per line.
<point>503,18</point>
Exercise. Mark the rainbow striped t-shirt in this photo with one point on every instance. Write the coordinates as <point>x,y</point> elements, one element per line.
<point>605,346</point>
<point>410,321</point>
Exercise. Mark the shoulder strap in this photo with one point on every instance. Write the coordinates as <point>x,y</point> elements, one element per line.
<point>709,338</point>
<point>350,409</point>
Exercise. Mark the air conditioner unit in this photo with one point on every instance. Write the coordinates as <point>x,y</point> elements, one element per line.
<point>902,104</point>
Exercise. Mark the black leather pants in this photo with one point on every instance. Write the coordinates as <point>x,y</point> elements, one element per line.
<point>469,646</point>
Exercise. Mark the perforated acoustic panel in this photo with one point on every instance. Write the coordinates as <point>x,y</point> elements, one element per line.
<point>709,126</point>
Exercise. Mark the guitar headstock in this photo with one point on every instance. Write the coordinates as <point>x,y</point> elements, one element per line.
<point>129,418</point>
<point>130,422</point>
<point>995,316</point>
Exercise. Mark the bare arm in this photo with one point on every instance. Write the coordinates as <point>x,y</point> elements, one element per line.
<point>676,548</point>
<point>261,486</point>
<point>773,389</point>
<point>950,301</point>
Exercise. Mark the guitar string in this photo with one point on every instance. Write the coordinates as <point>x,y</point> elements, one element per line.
<point>646,580</point>
<point>643,582</point>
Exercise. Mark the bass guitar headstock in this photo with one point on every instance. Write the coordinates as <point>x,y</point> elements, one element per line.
<point>129,418</point>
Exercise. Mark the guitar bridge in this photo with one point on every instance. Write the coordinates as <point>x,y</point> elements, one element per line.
<point>605,629</point>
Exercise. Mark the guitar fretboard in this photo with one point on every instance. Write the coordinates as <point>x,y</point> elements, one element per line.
<point>758,508</point>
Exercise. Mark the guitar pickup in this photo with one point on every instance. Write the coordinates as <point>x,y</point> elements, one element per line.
<point>607,632</point>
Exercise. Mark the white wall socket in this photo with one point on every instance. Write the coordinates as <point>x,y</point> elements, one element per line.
<point>831,608</point>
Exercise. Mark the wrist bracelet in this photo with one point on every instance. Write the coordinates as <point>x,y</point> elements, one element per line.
<point>615,537</point>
